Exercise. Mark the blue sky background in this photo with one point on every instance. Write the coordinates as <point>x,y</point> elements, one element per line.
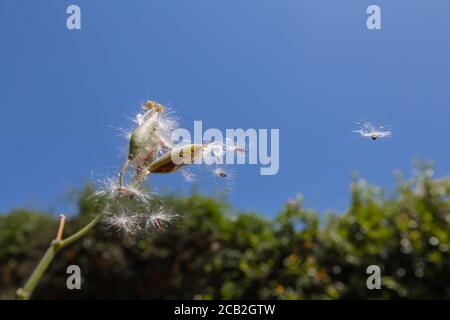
<point>309,68</point>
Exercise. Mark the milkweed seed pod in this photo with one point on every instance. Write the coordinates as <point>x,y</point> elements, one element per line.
<point>177,158</point>
<point>143,143</point>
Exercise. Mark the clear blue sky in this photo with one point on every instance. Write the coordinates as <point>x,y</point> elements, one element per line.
<point>309,68</point>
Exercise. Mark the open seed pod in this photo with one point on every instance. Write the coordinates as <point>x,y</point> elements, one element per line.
<point>141,139</point>
<point>177,158</point>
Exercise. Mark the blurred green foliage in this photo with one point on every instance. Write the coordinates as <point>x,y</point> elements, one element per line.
<point>215,252</point>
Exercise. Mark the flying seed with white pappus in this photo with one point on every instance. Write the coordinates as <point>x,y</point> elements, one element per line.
<point>369,130</point>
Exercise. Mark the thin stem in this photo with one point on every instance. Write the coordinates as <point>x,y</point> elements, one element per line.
<point>122,172</point>
<point>62,220</point>
<point>56,245</point>
<point>25,292</point>
<point>82,232</point>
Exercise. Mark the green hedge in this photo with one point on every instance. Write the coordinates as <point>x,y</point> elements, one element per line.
<point>215,252</point>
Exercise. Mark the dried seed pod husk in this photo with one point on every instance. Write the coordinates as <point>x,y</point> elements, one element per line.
<point>177,158</point>
<point>140,141</point>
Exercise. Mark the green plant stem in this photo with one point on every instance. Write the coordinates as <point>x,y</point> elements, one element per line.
<point>122,172</point>
<point>56,245</point>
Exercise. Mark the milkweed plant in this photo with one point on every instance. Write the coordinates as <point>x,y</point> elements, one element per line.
<point>127,205</point>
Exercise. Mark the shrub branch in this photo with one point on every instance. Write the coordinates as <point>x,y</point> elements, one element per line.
<point>56,245</point>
